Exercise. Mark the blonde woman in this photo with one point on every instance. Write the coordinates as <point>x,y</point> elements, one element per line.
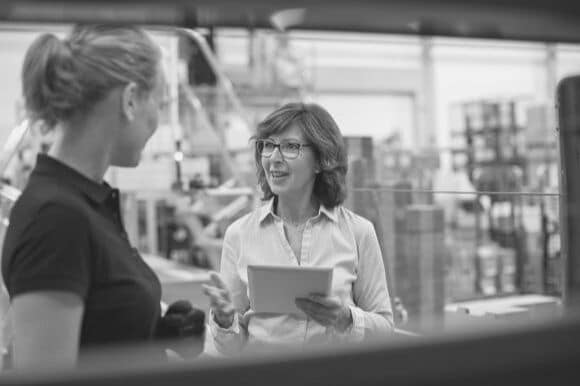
<point>74,280</point>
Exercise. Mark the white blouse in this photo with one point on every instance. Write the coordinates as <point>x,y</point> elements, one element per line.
<point>335,238</point>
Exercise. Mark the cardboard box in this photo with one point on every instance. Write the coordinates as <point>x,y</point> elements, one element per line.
<point>424,218</point>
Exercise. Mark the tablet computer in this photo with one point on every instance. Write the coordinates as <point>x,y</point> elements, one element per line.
<point>274,289</point>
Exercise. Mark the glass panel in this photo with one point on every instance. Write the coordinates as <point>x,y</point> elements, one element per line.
<point>463,260</point>
<point>452,154</point>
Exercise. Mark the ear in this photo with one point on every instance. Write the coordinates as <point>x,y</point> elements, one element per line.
<point>129,101</point>
<point>318,168</point>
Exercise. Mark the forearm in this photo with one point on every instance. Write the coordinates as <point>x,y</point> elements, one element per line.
<point>228,341</point>
<point>368,324</point>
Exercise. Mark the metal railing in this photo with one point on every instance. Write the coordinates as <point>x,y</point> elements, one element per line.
<point>222,79</point>
<point>193,100</point>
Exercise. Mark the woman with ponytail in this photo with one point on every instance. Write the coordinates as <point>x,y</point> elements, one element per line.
<point>74,279</point>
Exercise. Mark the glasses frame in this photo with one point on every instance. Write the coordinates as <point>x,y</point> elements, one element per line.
<point>279,147</point>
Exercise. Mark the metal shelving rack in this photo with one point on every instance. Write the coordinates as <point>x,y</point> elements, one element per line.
<point>493,159</point>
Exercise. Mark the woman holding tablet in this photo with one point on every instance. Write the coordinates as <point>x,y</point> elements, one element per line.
<point>301,165</point>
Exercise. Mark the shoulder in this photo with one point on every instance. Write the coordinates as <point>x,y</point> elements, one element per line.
<point>37,214</point>
<point>63,213</point>
<point>247,223</point>
<point>46,197</point>
<point>53,226</point>
<point>358,224</point>
<point>60,208</point>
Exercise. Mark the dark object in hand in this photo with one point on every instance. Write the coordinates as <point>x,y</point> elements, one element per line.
<point>183,326</point>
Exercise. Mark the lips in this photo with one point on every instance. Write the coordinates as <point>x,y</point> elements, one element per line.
<point>278,174</point>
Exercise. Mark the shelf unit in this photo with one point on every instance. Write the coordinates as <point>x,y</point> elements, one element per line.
<point>492,154</point>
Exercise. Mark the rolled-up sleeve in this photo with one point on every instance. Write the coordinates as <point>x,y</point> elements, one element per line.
<point>230,341</point>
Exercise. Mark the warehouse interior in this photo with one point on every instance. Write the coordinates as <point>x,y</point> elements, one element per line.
<point>449,118</point>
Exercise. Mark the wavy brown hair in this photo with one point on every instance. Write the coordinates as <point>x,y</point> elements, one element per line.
<point>320,131</point>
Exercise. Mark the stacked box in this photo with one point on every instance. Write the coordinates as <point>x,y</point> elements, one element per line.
<point>554,275</point>
<point>424,218</point>
<point>385,227</point>
<point>361,148</point>
<point>533,270</point>
<point>508,269</point>
<point>463,276</point>
<point>401,200</point>
<point>487,269</point>
<point>424,258</point>
<point>462,240</point>
<point>377,205</point>
<point>354,179</point>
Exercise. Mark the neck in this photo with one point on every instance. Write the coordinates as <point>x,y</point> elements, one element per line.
<point>81,148</point>
<point>297,211</point>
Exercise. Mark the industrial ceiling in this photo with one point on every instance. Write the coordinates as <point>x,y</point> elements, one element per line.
<point>531,20</point>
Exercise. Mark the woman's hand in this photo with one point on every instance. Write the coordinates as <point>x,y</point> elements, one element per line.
<point>220,301</point>
<point>328,311</point>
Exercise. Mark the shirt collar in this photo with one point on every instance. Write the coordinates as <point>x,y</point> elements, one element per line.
<point>328,212</point>
<point>268,210</point>
<point>48,166</point>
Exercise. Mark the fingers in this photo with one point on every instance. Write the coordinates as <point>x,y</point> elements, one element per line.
<point>219,299</point>
<point>211,291</point>
<point>325,310</point>
<point>215,294</point>
<point>319,313</point>
<point>325,301</point>
<point>217,281</point>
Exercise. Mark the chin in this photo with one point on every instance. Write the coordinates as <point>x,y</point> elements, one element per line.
<point>276,189</point>
<point>126,162</point>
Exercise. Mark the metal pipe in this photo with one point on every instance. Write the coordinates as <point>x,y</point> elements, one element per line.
<point>459,192</point>
<point>197,106</point>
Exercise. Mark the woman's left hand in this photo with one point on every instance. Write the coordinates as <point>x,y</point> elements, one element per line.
<point>328,311</point>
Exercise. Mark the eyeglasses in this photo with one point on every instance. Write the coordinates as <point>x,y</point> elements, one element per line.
<point>289,149</point>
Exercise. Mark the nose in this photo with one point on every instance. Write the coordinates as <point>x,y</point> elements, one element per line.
<point>277,155</point>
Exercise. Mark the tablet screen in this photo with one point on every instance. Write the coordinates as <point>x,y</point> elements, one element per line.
<point>274,289</point>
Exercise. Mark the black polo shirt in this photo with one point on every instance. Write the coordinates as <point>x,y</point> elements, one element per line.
<point>66,234</point>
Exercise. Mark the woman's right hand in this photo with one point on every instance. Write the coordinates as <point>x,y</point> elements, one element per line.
<point>220,300</point>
